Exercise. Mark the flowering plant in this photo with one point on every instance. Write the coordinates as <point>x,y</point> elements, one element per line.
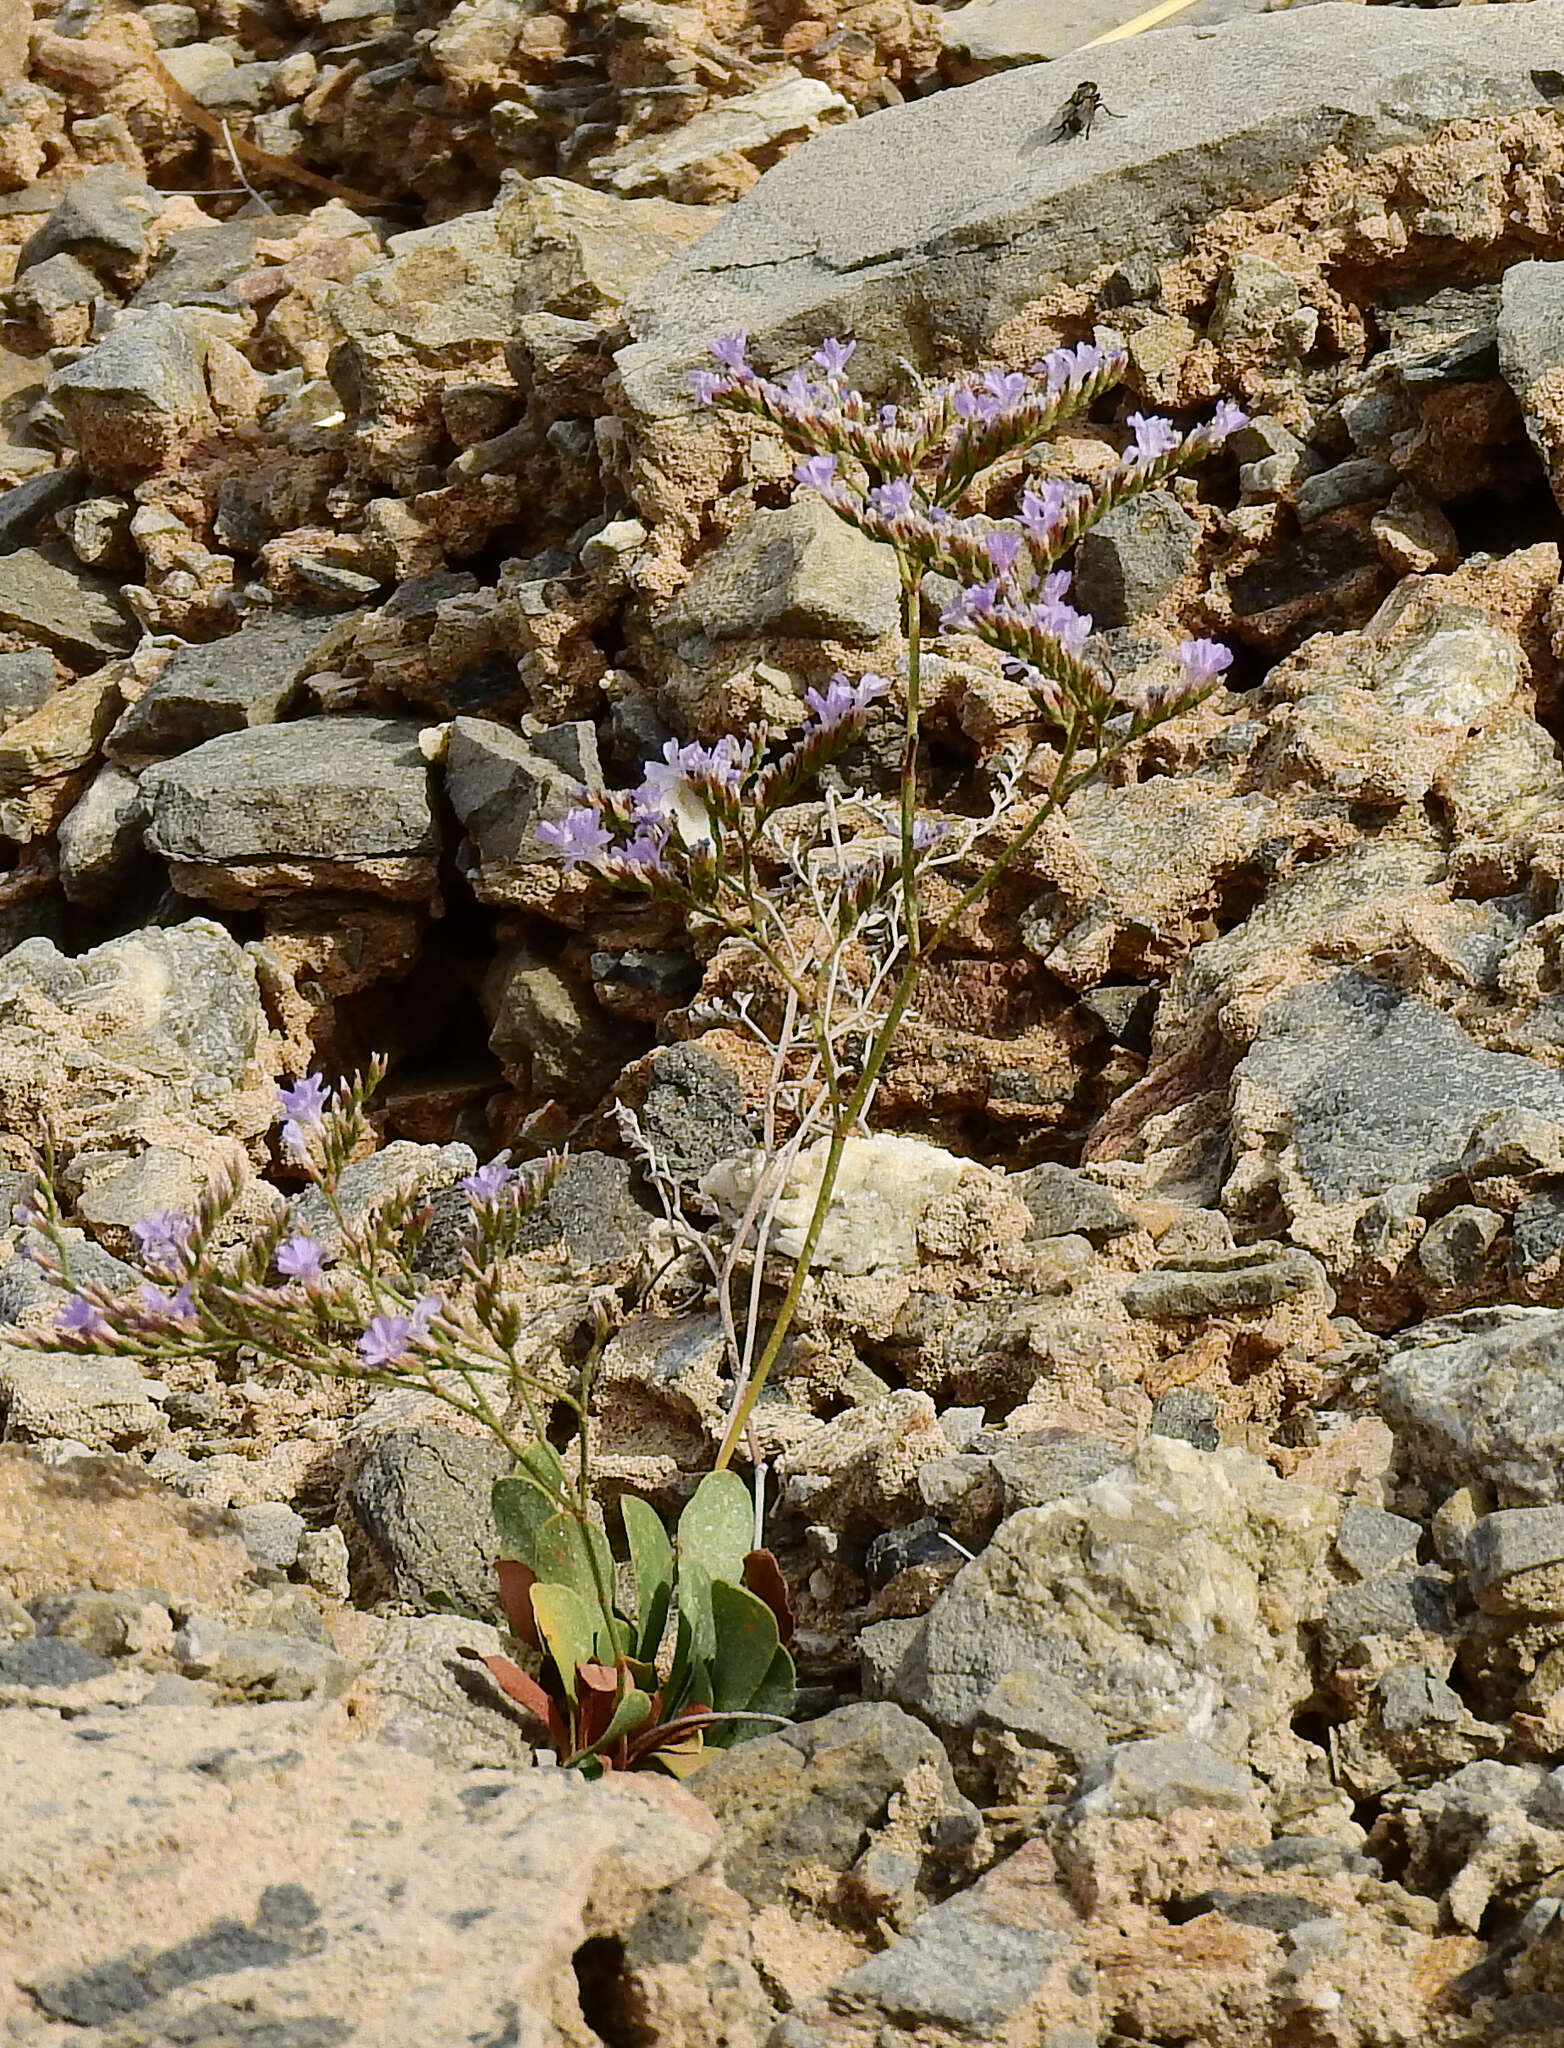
<point>349,1300</point>
<point>829,905</point>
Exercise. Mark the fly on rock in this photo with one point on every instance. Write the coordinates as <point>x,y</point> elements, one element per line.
<point>1079,111</point>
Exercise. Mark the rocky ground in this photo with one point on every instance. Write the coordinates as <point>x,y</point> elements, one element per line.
<point>1169,1475</point>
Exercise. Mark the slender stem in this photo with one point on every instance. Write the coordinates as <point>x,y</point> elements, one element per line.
<point>1058,790</point>
<point>912,604</point>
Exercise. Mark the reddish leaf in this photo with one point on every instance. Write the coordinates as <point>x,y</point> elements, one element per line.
<point>516,1685</point>
<point>516,1584</point>
<point>763,1577</point>
<point>597,1695</point>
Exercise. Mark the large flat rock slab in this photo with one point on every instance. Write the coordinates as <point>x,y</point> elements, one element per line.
<point>944,217</point>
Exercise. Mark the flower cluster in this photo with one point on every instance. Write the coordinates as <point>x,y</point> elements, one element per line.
<point>898,474</point>
<point>667,836</point>
<point>290,1294</point>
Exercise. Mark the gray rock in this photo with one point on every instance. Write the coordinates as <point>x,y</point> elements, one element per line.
<point>837,239</point>
<point>1224,1283</point>
<point>194,266</point>
<point>1454,1251</point>
<point>104,1403</point>
<point>47,1661</point>
<point>100,839</point>
<point>1376,1089</point>
<point>591,1208</point>
<point>130,403</point>
<point>1531,348</point>
<point>1187,1412</point>
<point>1126,1012</point>
<point>323,791</point>
<point>1031,1475</point>
<point>40,295</point>
<point>417,1693</point>
<point>398,1168</point>
<point>964,1968</point>
<point>22,1285</point>
<point>1044,1713</point>
<point>189,993</point>
<point>250,678</point>
<point>1066,1204</point>
<point>1370,1541</point>
<point>799,569</point>
<point>998,33</point>
<point>1411,1696</point>
<point>503,785</point>
<point>811,1796</point>
<point>1485,1409</point>
<point>1459,666</point>
<point>1362,481</point>
<point>103,221</point>
<point>546,1021</point>
<point>271,1532</point>
<point>28,679</point>
<point>50,599</point>
<point>258,1663</point>
<point>1156,1777</point>
<point>693,1115</point>
<point>419,1501</point>
<point>1130,1592</point>
<point>25,504</point>
<point>1133,558</point>
<point>1514,1143</point>
<point>1400,1606</point>
<point>1536,1232</point>
<point>1515,1561</point>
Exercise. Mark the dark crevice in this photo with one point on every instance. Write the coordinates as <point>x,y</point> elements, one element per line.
<point>608,2000</point>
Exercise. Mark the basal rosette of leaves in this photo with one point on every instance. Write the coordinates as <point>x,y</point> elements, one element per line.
<point>606,1699</point>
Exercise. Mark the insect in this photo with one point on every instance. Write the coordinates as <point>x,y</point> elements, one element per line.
<point>1079,111</point>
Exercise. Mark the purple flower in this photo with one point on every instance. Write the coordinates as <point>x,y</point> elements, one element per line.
<point>892,500</point>
<point>580,837</point>
<point>1203,661</point>
<point>969,405</point>
<point>390,1338</point>
<point>927,832</point>
<point>979,602</point>
<point>843,702</point>
<point>1002,548</point>
<point>1069,368</point>
<point>489,1182</point>
<point>817,471</point>
<point>797,390</point>
<point>305,1102</point>
<point>159,1306</point>
<point>645,852</point>
<point>732,351</point>
<point>1043,509</point>
<point>888,415</point>
<point>1072,629</point>
<point>1154,437</point>
<point>302,1257</point>
<point>304,1107</point>
<point>82,1317</point>
<point>1056,585</point>
<point>162,1239</point>
<point>1227,419</point>
<point>666,783</point>
<point>833,356</point>
<point>706,386</point>
<point>1005,387</point>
